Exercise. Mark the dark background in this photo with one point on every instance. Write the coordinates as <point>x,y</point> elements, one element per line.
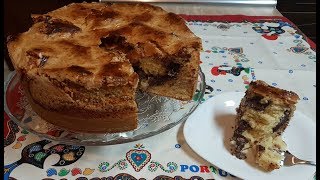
<point>17,15</point>
<point>302,13</point>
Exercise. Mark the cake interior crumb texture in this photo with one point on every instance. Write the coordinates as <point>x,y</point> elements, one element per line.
<point>82,64</point>
<point>263,115</point>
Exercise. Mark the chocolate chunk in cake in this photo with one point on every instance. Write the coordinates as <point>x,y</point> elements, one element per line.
<point>263,115</point>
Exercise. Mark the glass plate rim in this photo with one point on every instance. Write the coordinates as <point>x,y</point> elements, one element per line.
<point>120,140</point>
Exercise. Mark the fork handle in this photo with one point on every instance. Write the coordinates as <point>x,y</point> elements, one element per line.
<point>308,162</point>
<point>311,163</point>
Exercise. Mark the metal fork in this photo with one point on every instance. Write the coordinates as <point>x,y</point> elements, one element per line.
<point>290,160</point>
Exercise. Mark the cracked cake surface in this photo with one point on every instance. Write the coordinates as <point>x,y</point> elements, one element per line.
<point>83,63</point>
<point>263,115</point>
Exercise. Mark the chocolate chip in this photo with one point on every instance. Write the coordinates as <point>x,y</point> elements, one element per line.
<point>59,26</point>
<point>240,141</point>
<point>241,155</point>
<point>242,126</point>
<point>157,80</point>
<point>173,69</point>
<point>283,123</point>
<point>261,148</point>
<point>116,42</point>
<point>255,103</point>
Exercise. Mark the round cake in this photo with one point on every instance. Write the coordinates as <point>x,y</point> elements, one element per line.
<point>81,65</point>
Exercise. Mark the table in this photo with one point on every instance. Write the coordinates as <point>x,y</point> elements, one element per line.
<point>229,42</point>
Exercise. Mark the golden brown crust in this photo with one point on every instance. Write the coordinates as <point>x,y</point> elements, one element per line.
<point>73,57</point>
<point>262,88</point>
<point>74,36</point>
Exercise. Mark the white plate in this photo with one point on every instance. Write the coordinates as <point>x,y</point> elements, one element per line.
<point>209,128</point>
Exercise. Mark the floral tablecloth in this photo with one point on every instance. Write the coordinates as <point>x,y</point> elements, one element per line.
<point>236,50</point>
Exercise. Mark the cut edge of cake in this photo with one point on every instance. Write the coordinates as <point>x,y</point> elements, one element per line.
<point>262,116</point>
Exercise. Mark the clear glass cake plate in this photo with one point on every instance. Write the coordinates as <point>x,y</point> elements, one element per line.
<point>156,114</point>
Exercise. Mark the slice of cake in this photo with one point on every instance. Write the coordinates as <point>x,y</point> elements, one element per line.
<point>82,64</point>
<point>263,115</point>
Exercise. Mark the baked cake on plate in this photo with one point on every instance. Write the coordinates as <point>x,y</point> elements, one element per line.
<point>82,64</point>
<point>263,115</point>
